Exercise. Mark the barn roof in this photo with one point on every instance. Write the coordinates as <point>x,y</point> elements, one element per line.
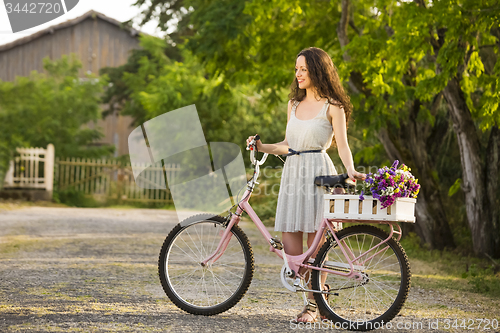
<point>69,23</point>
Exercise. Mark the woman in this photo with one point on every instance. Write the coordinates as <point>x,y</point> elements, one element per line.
<point>318,108</point>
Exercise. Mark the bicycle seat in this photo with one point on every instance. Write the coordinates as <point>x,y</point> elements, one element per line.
<point>331,180</point>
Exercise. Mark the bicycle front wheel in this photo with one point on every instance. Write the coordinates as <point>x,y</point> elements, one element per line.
<point>383,282</point>
<point>211,289</point>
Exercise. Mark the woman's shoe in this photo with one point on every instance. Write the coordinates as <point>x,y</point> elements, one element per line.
<point>310,310</point>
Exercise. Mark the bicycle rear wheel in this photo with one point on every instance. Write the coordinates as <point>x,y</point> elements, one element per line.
<point>379,295</point>
<point>216,287</point>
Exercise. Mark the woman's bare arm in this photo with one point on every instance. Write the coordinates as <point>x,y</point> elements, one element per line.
<point>340,130</point>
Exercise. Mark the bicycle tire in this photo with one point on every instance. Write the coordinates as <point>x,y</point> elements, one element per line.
<point>369,303</point>
<point>207,290</point>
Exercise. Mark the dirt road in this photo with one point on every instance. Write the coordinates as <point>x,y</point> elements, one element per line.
<point>95,270</point>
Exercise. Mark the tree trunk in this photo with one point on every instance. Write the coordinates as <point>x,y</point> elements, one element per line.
<point>356,79</point>
<point>434,225</point>
<point>431,222</point>
<point>479,212</point>
<point>491,179</point>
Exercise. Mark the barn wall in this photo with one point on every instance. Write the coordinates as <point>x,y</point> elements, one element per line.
<point>96,43</point>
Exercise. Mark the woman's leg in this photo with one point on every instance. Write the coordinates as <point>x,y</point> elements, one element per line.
<point>292,242</point>
<point>310,239</point>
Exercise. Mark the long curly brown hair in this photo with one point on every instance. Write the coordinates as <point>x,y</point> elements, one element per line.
<point>324,78</point>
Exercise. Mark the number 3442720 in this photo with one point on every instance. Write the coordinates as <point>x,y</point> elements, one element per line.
<point>34,8</point>
<point>471,324</point>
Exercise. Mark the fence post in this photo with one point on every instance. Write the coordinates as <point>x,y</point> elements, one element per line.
<point>49,169</point>
<point>9,176</point>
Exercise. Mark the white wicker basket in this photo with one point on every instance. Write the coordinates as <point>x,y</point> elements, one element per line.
<point>349,207</point>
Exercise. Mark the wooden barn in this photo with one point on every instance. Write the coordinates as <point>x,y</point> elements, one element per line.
<point>97,40</point>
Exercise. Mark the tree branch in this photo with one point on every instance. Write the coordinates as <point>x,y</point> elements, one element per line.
<point>354,27</point>
<point>437,43</point>
<point>469,53</point>
<point>420,3</point>
<point>435,104</point>
<point>391,150</point>
<point>342,27</point>
<point>489,45</point>
<point>356,79</point>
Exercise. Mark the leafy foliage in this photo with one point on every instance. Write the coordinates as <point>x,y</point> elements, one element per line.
<point>51,108</point>
<point>152,84</point>
<point>397,57</point>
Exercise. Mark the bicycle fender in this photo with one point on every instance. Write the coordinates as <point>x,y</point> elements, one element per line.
<point>201,217</point>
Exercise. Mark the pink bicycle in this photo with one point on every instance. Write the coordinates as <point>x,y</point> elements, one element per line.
<point>206,265</point>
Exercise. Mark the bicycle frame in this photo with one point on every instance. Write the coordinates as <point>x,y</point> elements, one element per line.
<point>294,263</point>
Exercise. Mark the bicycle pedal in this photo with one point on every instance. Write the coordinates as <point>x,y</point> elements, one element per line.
<point>325,292</point>
<point>276,243</point>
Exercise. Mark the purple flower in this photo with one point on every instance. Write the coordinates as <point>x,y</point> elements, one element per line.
<point>378,182</point>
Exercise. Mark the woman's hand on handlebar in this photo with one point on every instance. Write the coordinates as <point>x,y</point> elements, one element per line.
<point>258,142</point>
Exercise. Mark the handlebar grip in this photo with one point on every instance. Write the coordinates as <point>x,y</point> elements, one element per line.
<point>256,138</point>
<point>341,180</point>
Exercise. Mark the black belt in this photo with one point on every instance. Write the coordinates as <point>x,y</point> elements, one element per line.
<point>294,152</point>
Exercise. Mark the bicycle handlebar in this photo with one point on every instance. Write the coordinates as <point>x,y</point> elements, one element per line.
<point>253,143</point>
<point>252,146</point>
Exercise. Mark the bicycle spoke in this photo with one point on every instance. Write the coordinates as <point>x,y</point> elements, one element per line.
<point>183,279</point>
<point>189,247</point>
<point>194,243</point>
<point>223,284</point>
<point>243,268</point>
<point>371,298</point>
<point>392,255</point>
<point>381,255</point>
<point>378,283</point>
<point>190,257</point>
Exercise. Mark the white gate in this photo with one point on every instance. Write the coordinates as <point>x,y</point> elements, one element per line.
<point>32,168</point>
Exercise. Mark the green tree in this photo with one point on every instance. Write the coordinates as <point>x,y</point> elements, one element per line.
<point>51,108</point>
<point>434,53</point>
<point>416,70</point>
<point>152,83</point>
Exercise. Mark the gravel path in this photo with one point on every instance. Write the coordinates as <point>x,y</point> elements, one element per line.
<point>95,270</point>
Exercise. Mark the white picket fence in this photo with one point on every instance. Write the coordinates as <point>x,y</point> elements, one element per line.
<point>108,178</point>
<point>36,168</point>
<point>32,168</point>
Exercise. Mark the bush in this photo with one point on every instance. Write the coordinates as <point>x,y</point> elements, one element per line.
<point>74,198</point>
<point>483,280</point>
